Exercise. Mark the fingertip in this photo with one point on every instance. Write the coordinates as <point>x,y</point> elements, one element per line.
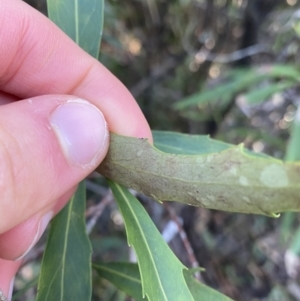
<point>8,271</point>
<point>82,132</point>
<point>48,145</point>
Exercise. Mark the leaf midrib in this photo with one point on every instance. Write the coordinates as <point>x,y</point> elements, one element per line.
<point>76,22</point>
<point>65,247</point>
<point>144,239</point>
<point>100,267</point>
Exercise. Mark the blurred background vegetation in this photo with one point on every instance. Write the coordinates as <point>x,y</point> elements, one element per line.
<point>227,68</point>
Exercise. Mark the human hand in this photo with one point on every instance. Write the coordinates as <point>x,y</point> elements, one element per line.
<point>51,142</point>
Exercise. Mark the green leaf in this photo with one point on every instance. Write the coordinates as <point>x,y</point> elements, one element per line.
<point>21,292</point>
<point>285,71</point>
<point>295,244</point>
<point>292,154</point>
<point>293,148</point>
<point>258,96</point>
<point>161,271</point>
<point>176,143</point>
<point>296,27</point>
<point>287,222</point>
<point>238,81</point>
<point>126,277</point>
<point>81,20</point>
<point>232,180</point>
<point>185,144</point>
<point>201,291</point>
<point>66,265</point>
<point>224,92</point>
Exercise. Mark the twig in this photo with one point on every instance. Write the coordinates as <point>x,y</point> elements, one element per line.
<point>36,252</point>
<point>294,289</point>
<point>95,188</point>
<point>201,56</point>
<point>95,212</point>
<point>185,241</point>
<point>153,9</point>
<point>205,55</point>
<point>156,73</point>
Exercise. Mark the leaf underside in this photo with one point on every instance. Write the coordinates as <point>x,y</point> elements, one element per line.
<point>226,177</point>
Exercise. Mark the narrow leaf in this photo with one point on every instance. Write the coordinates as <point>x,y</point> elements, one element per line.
<point>231,180</point>
<point>282,71</point>
<point>81,20</point>
<point>176,143</point>
<point>258,96</point>
<point>124,275</point>
<point>237,82</point>
<point>295,243</point>
<point>161,272</point>
<point>185,144</point>
<point>201,291</point>
<point>292,154</point>
<point>31,284</point>
<point>66,265</point>
<point>224,92</point>
<point>293,148</point>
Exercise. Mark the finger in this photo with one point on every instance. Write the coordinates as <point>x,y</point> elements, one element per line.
<point>47,145</point>
<point>8,270</point>
<point>16,243</point>
<point>37,58</point>
<point>6,98</point>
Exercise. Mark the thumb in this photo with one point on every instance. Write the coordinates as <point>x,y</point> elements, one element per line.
<point>47,145</point>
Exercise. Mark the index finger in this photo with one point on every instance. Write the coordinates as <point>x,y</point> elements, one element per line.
<point>37,58</point>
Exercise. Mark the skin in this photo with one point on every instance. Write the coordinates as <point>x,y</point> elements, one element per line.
<point>37,60</point>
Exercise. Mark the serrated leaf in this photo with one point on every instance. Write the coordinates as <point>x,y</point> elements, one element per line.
<point>231,180</point>
<point>161,271</point>
<point>66,266</point>
<point>185,144</point>
<point>81,20</point>
<point>126,277</point>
